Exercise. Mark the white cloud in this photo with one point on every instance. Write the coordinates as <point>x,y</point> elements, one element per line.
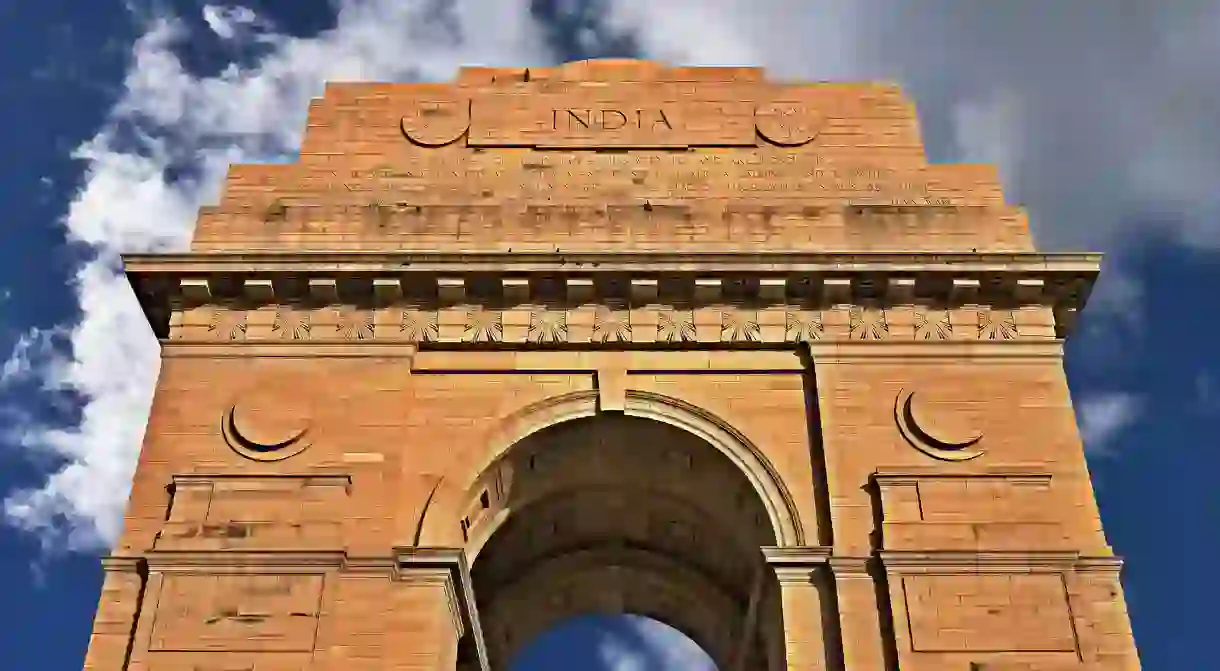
<point>34,350</point>
<point>672,648</point>
<point>651,646</point>
<point>227,21</point>
<point>1103,417</point>
<point>988,131</point>
<point>619,655</point>
<point>1100,114</point>
<point>129,202</point>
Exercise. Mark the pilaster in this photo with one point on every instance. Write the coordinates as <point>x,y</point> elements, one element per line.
<point>811,639</point>
<point>118,610</point>
<point>863,615</point>
<point>434,602</point>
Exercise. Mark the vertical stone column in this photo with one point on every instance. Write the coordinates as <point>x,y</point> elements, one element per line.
<point>1102,621</point>
<point>145,617</point>
<point>805,621</point>
<point>811,640</point>
<point>860,615</point>
<point>429,608</point>
<point>118,609</point>
<point>353,633</point>
<point>423,621</point>
<point>402,613</point>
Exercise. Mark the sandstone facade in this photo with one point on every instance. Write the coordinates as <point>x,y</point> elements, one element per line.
<point>611,337</point>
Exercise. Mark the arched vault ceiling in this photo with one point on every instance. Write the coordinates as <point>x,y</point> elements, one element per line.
<point>614,452</point>
<point>609,581</point>
<point>571,520</point>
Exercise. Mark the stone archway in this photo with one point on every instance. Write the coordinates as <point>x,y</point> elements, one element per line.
<point>617,513</point>
<point>441,251</point>
<point>453,491</point>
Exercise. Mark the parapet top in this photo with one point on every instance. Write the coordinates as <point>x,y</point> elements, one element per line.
<point>670,153</point>
<point>620,104</point>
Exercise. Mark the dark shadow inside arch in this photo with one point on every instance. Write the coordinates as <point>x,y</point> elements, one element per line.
<point>610,643</point>
<point>613,515</point>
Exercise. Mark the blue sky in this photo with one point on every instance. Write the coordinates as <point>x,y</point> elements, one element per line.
<point>119,119</point>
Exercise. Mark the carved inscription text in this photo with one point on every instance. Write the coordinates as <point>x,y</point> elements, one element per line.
<point>569,120</point>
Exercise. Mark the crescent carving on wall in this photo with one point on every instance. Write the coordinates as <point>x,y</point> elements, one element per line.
<point>437,122</point>
<point>937,447</point>
<point>787,123</point>
<point>259,451</point>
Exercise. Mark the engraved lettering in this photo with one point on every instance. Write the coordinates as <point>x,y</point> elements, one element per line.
<point>615,117</point>
<point>608,119</point>
<point>663,120</point>
<point>575,117</point>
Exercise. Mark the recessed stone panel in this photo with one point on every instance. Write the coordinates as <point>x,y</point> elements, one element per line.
<point>997,510</point>
<point>232,512</point>
<point>233,613</point>
<point>242,661</point>
<point>989,613</point>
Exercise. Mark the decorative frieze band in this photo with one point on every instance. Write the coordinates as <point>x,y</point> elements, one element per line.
<point>602,325</point>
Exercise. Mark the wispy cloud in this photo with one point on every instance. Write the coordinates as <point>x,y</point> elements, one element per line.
<point>1207,394</point>
<point>228,22</point>
<point>135,198</point>
<point>33,354</point>
<point>1104,416</point>
<point>619,655</point>
<point>652,646</point>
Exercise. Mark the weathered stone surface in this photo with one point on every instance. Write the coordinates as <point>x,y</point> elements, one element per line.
<point>602,337</point>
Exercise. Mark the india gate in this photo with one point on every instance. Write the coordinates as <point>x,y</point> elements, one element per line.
<point>612,337</point>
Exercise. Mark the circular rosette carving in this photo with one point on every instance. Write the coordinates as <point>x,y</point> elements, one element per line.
<point>266,426</point>
<point>436,120</point>
<point>787,123</point>
<point>941,435</point>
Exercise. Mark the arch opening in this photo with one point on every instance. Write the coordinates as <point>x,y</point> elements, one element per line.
<point>613,514</point>
<point>611,643</point>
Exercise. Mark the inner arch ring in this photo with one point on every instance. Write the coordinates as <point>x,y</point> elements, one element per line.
<point>748,458</point>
